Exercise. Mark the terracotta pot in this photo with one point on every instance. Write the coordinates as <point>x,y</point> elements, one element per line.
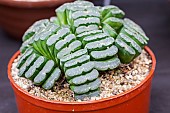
<point>135,100</point>
<point>18,15</point>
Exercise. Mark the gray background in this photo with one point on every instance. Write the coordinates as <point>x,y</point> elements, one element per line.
<point>152,15</point>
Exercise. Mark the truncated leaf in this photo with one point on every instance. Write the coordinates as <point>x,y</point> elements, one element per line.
<point>104,54</point>
<point>126,53</point>
<point>49,83</point>
<point>115,23</point>
<point>81,89</point>
<point>100,45</point>
<point>37,66</point>
<point>107,64</point>
<point>85,78</point>
<point>44,73</point>
<point>76,62</point>
<point>27,64</point>
<point>24,56</point>
<point>84,68</point>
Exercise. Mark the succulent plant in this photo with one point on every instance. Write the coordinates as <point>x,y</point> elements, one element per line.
<point>80,41</point>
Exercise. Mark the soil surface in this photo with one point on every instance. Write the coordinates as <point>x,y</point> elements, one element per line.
<point>113,82</point>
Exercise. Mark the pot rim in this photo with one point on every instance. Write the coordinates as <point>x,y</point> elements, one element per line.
<point>33,3</point>
<point>131,92</point>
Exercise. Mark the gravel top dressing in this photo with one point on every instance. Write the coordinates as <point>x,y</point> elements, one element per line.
<point>114,82</point>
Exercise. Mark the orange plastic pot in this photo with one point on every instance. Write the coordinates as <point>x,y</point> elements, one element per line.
<point>135,100</point>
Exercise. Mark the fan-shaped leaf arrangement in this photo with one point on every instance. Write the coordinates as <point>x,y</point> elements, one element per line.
<point>80,41</point>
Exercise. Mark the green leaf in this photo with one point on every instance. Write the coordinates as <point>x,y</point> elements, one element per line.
<point>25,45</point>
<point>64,42</point>
<point>107,9</point>
<point>81,89</point>
<point>86,21</point>
<point>36,67</point>
<point>115,23</point>
<point>104,54</point>
<point>24,56</point>
<point>83,3</point>
<point>95,37</point>
<point>107,64</point>
<point>84,78</point>
<point>89,33</point>
<point>76,62</point>
<point>136,37</point>
<point>82,29</point>
<point>49,83</point>
<point>27,64</point>
<point>114,13</point>
<point>44,73</point>
<point>79,70</point>
<point>126,53</point>
<point>131,43</point>
<point>55,20</point>
<point>74,46</point>
<point>100,45</point>
<point>60,34</point>
<point>109,30</point>
<point>61,14</point>
<point>35,28</point>
<point>71,56</point>
<point>85,14</point>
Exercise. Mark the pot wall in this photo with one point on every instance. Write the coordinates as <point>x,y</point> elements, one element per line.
<point>17,16</point>
<point>15,21</point>
<point>138,104</point>
<point>135,100</point>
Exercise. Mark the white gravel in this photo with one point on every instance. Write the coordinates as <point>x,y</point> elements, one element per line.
<point>113,82</point>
